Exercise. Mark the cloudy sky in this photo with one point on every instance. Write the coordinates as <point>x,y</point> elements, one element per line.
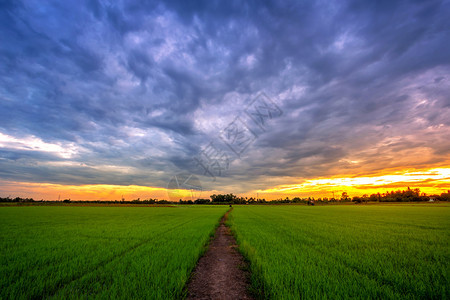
<point>100,99</point>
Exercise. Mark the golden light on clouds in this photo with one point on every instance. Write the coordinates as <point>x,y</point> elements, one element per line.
<point>430,181</point>
<point>435,180</point>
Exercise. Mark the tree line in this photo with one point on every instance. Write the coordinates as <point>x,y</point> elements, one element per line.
<point>408,195</point>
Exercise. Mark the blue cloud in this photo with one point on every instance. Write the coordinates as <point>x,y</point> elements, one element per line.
<point>146,85</point>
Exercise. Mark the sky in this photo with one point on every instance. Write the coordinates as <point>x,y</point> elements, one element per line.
<point>111,99</point>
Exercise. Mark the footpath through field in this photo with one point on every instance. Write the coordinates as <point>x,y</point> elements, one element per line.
<point>220,273</point>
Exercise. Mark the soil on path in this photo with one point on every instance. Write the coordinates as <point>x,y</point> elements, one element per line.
<point>220,273</point>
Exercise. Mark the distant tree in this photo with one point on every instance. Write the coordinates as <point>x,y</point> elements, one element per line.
<point>263,200</point>
<point>365,198</point>
<point>149,201</point>
<point>345,196</point>
<point>407,195</point>
<point>202,201</point>
<point>17,199</point>
<point>445,196</point>
<point>375,197</point>
<point>228,198</point>
<point>357,199</point>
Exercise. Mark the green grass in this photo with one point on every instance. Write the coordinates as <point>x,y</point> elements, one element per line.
<point>333,252</point>
<point>341,252</point>
<point>101,252</point>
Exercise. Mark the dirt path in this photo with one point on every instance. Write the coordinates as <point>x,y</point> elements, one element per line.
<point>220,272</point>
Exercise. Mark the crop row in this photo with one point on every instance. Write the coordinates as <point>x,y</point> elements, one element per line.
<point>346,251</point>
<point>108,252</point>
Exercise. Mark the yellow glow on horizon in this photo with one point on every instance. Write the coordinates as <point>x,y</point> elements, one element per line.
<point>49,191</point>
<point>429,180</point>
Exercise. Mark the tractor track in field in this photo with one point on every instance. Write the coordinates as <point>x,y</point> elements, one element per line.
<point>221,271</point>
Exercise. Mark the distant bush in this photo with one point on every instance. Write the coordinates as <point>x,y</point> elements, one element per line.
<point>202,201</point>
<point>17,199</point>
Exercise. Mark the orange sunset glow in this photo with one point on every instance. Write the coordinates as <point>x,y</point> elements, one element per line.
<point>430,181</point>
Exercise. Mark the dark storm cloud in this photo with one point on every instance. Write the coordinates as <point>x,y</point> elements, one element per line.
<point>146,85</point>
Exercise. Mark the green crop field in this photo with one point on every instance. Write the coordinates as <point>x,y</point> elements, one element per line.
<point>107,252</point>
<point>334,251</point>
<point>337,252</point>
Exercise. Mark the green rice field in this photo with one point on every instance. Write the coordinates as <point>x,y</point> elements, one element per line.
<point>341,252</point>
<point>68,252</point>
<point>294,251</point>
